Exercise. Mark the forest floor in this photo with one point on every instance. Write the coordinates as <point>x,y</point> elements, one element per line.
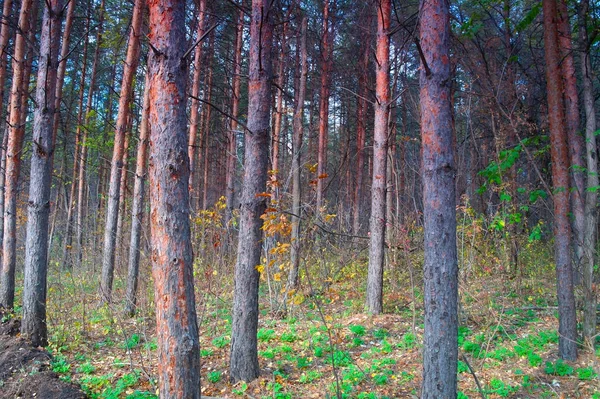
<point>324,344</point>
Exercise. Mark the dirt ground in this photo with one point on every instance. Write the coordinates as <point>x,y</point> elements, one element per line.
<point>24,370</point>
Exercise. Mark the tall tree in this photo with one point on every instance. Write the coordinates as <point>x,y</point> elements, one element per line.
<point>293,277</point>
<point>326,65</point>
<point>195,120</point>
<point>110,230</point>
<point>440,270</point>
<point>559,152</point>
<point>137,208</point>
<point>380,153</point>
<point>244,355</point>
<point>233,124</point>
<point>169,170</point>
<point>591,196</point>
<point>33,324</point>
<point>13,152</point>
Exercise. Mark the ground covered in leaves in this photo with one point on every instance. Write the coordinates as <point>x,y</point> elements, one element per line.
<point>320,343</point>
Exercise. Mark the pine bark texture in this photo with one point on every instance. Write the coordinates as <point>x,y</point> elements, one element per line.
<point>380,148</point>
<point>137,211</point>
<point>559,152</point>
<point>112,213</point>
<point>591,196</point>
<point>13,155</point>
<point>244,356</point>
<point>171,253</point>
<point>33,325</point>
<point>293,277</point>
<point>440,269</point>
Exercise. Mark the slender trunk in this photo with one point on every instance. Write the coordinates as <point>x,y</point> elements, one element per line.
<point>172,257</point>
<point>244,355</point>
<point>4,38</point>
<point>131,62</point>
<point>293,277</point>
<point>361,118</point>
<point>13,152</point>
<point>123,194</point>
<point>233,126</point>
<point>194,114</point>
<point>380,148</point>
<point>591,196</point>
<point>207,116</point>
<point>440,269</point>
<point>276,137</point>
<point>66,261</point>
<point>327,60</point>
<point>559,151</point>
<point>84,148</point>
<point>574,137</point>
<point>137,211</point>
<point>33,324</point>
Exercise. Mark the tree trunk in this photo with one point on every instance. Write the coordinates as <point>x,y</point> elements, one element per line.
<point>235,105</point>
<point>13,154</point>
<point>361,119</point>
<point>33,325</point>
<point>380,147</point>
<point>276,139</point>
<point>4,38</point>
<point>327,60</point>
<point>244,356</point>
<point>440,269</point>
<point>559,152</point>
<point>194,114</point>
<point>171,254</point>
<point>137,211</point>
<point>131,62</point>
<point>574,137</point>
<point>591,195</point>
<point>293,278</point>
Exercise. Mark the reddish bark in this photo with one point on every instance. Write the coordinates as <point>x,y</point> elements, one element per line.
<point>440,269</point>
<point>244,356</point>
<point>327,62</point>
<point>559,152</point>
<point>171,253</point>
<point>112,213</point>
<point>194,114</point>
<point>18,108</point>
<point>380,148</point>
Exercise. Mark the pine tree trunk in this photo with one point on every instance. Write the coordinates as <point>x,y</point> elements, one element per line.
<point>559,151</point>
<point>4,38</point>
<point>293,278</point>
<point>33,325</point>
<point>380,148</point>
<point>112,212</point>
<point>591,196</point>
<point>137,211</point>
<point>235,105</point>
<point>440,269</point>
<point>244,355</point>
<point>171,254</point>
<point>13,152</point>
<point>194,114</point>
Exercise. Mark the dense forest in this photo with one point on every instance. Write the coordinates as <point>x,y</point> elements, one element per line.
<point>299,199</point>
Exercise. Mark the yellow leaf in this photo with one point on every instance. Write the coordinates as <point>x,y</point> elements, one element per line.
<point>277,277</point>
<point>260,268</point>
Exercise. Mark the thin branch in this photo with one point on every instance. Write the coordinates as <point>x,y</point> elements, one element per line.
<point>225,114</point>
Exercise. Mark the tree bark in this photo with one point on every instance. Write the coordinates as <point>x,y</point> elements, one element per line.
<point>171,254</point>
<point>559,152</point>
<point>591,195</point>
<point>13,153</point>
<point>137,211</point>
<point>194,114</point>
<point>112,213</point>
<point>33,325</point>
<point>574,137</point>
<point>293,277</point>
<point>327,60</point>
<point>440,269</point>
<point>244,356</point>
<point>380,147</point>
<point>233,125</point>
